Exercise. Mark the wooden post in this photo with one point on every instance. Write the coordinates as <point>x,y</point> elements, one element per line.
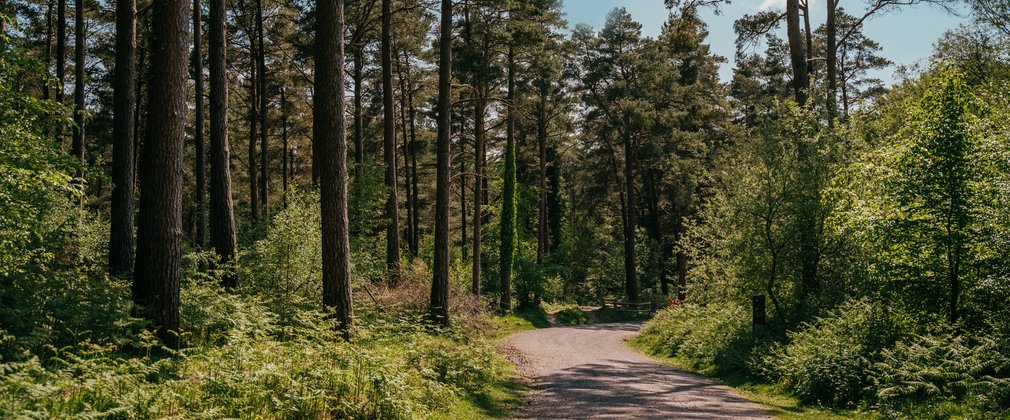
<point>758,316</point>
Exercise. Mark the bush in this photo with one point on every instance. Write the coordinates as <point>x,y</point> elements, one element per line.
<point>713,337</point>
<point>943,369</point>
<point>827,361</point>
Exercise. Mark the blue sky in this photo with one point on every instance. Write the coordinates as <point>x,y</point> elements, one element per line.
<point>906,35</point>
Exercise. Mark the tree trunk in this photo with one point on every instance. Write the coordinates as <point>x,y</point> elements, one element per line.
<point>440,278</point>
<point>222,209</point>
<point>389,146</point>
<point>61,52</point>
<point>124,94</point>
<point>542,236</point>
<point>201,152</point>
<point>416,232</point>
<point>554,208</point>
<point>263,110</point>
<point>284,146</point>
<point>328,135</point>
<point>508,207</point>
<point>47,87</point>
<point>254,209</point>
<point>831,61</point>
<point>80,47</point>
<point>159,228</point>
<point>630,221</point>
<point>359,122</point>
<point>797,55</point>
<point>478,187</point>
<point>406,155</point>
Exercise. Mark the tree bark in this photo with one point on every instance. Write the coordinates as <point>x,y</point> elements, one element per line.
<point>254,209</point>
<point>159,228</point>
<point>47,86</point>
<point>416,232</point>
<point>478,188</point>
<point>554,206</point>
<point>630,222</point>
<point>61,52</point>
<point>389,146</point>
<point>124,94</point>
<point>264,101</point>
<point>222,208</point>
<point>328,134</point>
<point>408,192</point>
<point>797,54</point>
<point>359,122</point>
<point>80,47</point>
<point>284,144</point>
<point>439,308</point>
<point>831,61</point>
<point>201,152</point>
<point>508,212</point>
<point>542,238</point>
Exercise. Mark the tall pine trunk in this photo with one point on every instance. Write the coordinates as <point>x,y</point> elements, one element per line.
<point>359,121</point>
<point>254,202</point>
<point>159,227</point>
<point>542,237</point>
<point>797,53</point>
<point>79,111</point>
<point>478,188</point>
<point>124,94</point>
<point>263,107</point>
<point>329,142</point>
<point>389,145</point>
<point>222,208</point>
<point>508,207</point>
<point>439,307</point>
<point>831,60</point>
<point>46,86</point>
<point>630,221</point>
<point>407,186</point>
<point>198,139</point>
<point>61,57</point>
<point>284,146</point>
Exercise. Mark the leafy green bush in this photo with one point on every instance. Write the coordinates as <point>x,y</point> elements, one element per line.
<point>936,370</point>
<point>827,361</point>
<point>713,337</point>
<point>286,265</point>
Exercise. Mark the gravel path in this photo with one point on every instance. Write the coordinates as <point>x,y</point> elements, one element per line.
<point>589,372</point>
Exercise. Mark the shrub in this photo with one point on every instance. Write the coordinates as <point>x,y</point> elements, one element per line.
<point>826,361</point>
<point>713,337</point>
<point>941,369</point>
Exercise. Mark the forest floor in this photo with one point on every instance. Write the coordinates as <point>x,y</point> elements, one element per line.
<point>589,371</point>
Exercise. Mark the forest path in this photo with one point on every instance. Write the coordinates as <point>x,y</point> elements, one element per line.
<point>589,371</point>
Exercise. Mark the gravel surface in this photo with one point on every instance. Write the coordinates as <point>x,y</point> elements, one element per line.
<point>590,372</point>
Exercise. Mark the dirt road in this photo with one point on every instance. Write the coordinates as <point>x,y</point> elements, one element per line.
<point>590,372</point>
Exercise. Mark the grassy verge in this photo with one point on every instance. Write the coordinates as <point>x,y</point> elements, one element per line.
<point>779,403</point>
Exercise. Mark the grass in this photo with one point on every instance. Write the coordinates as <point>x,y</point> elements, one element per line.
<point>779,403</point>
<point>495,401</point>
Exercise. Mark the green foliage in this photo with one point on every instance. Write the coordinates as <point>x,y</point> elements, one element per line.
<point>929,371</point>
<point>711,338</point>
<point>246,361</point>
<point>286,264</point>
<point>827,361</point>
<point>572,315</point>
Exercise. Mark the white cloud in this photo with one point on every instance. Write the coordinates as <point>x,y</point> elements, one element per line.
<point>772,4</point>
